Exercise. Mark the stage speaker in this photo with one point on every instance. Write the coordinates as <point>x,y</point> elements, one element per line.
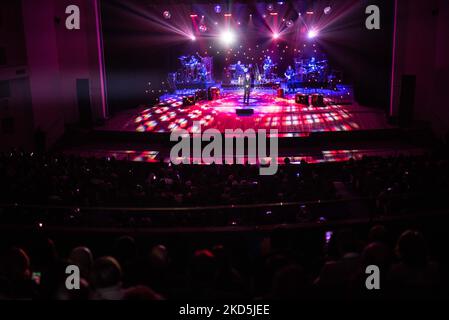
<point>407,100</point>
<point>244,112</point>
<point>214,93</point>
<point>84,103</point>
<point>317,100</point>
<point>302,99</point>
<point>280,93</point>
<point>188,101</point>
<point>201,95</point>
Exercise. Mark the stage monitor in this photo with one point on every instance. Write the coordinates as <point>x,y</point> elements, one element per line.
<point>317,100</point>
<point>302,99</point>
<point>188,101</point>
<point>245,112</point>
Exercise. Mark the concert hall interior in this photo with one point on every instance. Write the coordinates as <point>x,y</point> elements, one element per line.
<point>114,128</point>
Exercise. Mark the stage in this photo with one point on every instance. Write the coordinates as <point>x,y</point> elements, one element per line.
<point>270,112</point>
<point>337,131</point>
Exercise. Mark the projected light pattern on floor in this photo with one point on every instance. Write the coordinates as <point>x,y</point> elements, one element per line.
<point>270,112</point>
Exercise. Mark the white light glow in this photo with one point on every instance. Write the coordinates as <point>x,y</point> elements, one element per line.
<point>227,37</point>
<point>312,34</point>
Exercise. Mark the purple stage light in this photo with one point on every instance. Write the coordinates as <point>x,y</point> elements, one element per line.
<point>275,36</point>
<point>217,9</point>
<point>312,34</point>
<point>167,15</point>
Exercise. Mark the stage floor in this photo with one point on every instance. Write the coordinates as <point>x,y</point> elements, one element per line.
<point>270,112</point>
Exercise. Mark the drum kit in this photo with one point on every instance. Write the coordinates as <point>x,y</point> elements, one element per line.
<point>194,69</point>
<point>236,72</point>
<point>311,70</point>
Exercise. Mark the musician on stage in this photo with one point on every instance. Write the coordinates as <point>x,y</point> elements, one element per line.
<point>251,71</point>
<point>193,60</point>
<point>247,88</point>
<point>312,64</point>
<point>267,66</point>
<point>239,72</point>
<point>268,61</point>
<point>239,69</point>
<point>289,75</point>
<point>202,72</point>
<point>192,70</point>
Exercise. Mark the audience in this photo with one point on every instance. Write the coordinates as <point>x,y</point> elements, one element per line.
<point>312,265</point>
<point>415,275</point>
<point>16,280</point>
<point>107,279</point>
<point>60,180</point>
<point>212,273</point>
<point>83,259</point>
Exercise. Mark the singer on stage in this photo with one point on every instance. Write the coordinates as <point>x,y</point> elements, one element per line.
<point>247,88</point>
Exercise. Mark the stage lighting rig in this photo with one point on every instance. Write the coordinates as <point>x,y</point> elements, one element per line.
<point>227,37</point>
<point>167,15</point>
<point>312,34</point>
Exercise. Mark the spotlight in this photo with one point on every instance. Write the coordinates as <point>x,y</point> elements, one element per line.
<point>167,15</point>
<point>227,37</point>
<point>192,37</point>
<point>217,9</point>
<point>327,10</point>
<point>275,35</point>
<point>270,7</point>
<point>202,28</point>
<point>312,34</point>
<point>290,23</point>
